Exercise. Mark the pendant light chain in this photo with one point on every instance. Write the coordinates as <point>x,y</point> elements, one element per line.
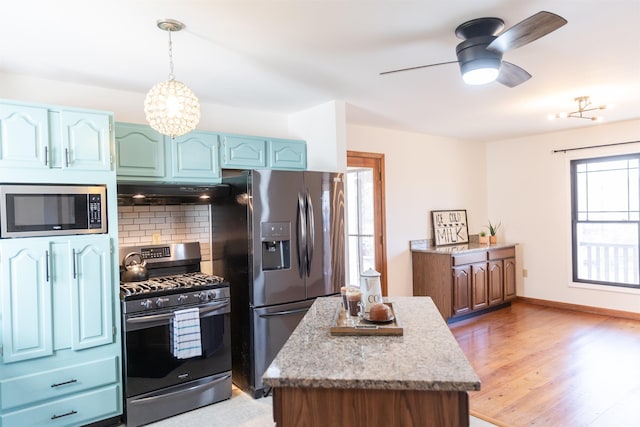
<point>171,75</point>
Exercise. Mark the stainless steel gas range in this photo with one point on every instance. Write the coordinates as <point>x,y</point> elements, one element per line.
<point>176,329</point>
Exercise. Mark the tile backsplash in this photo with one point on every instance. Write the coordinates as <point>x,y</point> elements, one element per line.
<point>165,224</point>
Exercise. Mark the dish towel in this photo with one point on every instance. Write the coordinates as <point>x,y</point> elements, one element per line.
<point>185,333</point>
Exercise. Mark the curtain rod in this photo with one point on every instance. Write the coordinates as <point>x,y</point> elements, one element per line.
<point>564,150</point>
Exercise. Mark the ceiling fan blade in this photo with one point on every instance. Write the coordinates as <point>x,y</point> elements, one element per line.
<point>511,75</point>
<point>418,67</point>
<point>524,32</point>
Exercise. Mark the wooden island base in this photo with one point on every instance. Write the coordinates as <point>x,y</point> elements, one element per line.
<point>321,407</point>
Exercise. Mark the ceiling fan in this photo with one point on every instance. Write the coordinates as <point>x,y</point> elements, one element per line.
<point>480,52</point>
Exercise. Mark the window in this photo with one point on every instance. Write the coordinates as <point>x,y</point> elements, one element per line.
<point>360,223</point>
<point>605,219</point>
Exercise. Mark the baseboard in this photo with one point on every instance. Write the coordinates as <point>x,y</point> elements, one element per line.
<point>583,308</point>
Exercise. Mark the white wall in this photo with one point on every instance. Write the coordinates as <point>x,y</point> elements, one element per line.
<point>129,106</point>
<point>323,127</point>
<point>423,173</point>
<point>529,191</point>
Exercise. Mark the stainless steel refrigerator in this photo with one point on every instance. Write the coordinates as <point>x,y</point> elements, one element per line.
<point>279,240</point>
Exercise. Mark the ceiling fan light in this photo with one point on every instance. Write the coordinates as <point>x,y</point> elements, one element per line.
<point>480,76</point>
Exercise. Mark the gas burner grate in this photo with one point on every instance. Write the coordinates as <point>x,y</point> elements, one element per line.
<point>172,282</point>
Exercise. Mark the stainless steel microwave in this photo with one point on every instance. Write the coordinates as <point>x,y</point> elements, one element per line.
<point>52,210</point>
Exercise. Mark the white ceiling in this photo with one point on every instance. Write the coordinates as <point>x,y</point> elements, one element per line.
<point>289,55</point>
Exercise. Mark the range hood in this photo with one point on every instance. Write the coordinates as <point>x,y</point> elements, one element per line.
<point>170,194</point>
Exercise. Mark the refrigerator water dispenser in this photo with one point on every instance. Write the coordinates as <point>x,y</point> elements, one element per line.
<point>276,245</point>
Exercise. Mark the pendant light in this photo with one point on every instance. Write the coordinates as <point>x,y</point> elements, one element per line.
<point>171,107</point>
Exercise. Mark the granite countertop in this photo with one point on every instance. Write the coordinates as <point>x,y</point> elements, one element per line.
<point>424,246</point>
<point>426,357</point>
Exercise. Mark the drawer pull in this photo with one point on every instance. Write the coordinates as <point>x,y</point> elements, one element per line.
<point>55,417</point>
<point>64,383</point>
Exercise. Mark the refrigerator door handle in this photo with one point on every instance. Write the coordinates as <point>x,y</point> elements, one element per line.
<point>301,234</point>
<point>285,313</point>
<point>311,237</point>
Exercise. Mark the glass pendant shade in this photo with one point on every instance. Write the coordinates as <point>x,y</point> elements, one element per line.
<point>171,108</point>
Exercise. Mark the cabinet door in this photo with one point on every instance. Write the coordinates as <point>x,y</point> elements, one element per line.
<point>496,295</point>
<point>461,289</point>
<point>285,154</point>
<point>27,330</point>
<point>91,293</point>
<point>243,152</point>
<point>479,293</point>
<point>24,137</point>
<point>195,156</point>
<point>86,140</point>
<point>140,151</point>
<point>509,278</point>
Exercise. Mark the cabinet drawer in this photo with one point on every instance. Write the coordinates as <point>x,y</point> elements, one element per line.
<point>469,258</point>
<point>57,383</point>
<point>502,253</point>
<point>77,410</point>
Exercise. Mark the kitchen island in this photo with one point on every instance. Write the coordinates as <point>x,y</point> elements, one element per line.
<point>420,378</point>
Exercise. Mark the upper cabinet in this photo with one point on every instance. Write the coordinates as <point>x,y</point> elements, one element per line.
<point>143,154</point>
<point>243,152</point>
<point>195,156</point>
<point>44,137</point>
<point>139,151</point>
<point>250,152</point>
<point>287,154</point>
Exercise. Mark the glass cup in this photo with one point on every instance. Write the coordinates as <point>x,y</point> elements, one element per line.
<point>343,293</point>
<point>354,305</point>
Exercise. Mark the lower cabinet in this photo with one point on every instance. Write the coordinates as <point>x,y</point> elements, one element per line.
<point>60,360</point>
<point>75,410</point>
<point>465,282</point>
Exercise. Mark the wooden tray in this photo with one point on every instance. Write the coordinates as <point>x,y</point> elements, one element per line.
<point>362,327</point>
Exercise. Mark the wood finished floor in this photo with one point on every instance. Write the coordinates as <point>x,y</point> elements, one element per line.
<point>542,366</point>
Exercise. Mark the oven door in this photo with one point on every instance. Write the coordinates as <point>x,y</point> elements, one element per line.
<point>149,362</point>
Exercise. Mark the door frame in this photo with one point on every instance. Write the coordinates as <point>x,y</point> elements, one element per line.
<point>375,161</point>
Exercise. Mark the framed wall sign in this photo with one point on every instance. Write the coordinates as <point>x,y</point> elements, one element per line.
<point>450,227</point>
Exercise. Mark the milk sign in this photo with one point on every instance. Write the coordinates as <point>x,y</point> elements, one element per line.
<point>450,227</point>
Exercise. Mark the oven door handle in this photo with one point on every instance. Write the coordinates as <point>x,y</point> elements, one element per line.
<point>204,312</point>
<point>208,310</point>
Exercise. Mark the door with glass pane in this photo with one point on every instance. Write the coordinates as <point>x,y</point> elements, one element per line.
<point>365,216</point>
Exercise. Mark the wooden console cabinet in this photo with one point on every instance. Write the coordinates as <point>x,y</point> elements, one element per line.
<point>466,281</point>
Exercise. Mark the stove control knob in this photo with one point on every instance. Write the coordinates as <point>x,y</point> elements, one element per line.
<point>160,302</point>
<point>182,299</point>
<point>204,296</point>
<point>147,304</point>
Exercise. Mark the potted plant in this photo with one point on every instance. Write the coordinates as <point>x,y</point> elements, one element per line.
<point>493,229</point>
<point>482,237</point>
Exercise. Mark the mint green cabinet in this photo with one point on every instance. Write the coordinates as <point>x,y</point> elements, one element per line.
<point>42,137</point>
<point>287,154</point>
<point>75,410</point>
<point>146,155</point>
<point>194,156</point>
<point>56,294</point>
<point>253,152</point>
<point>92,293</point>
<point>140,152</point>
<point>243,152</point>
<point>24,136</point>
<point>86,140</point>
<point>27,300</point>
